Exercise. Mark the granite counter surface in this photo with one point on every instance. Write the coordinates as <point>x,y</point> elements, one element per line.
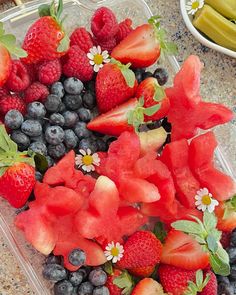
<point>218,81</point>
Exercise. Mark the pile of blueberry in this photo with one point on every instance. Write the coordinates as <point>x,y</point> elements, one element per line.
<point>59,124</point>
<point>227,285</point>
<point>160,74</point>
<point>85,281</point>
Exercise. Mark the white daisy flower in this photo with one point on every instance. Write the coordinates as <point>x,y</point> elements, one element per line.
<point>204,200</point>
<point>193,6</point>
<point>87,160</point>
<point>114,252</point>
<point>98,57</point>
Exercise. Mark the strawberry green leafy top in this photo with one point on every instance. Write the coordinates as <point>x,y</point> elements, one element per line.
<point>207,235</point>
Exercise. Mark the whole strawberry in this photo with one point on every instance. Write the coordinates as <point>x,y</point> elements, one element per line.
<point>115,83</point>
<point>142,249</point>
<point>114,289</point>
<point>11,102</point>
<point>119,282</point>
<point>211,287</point>
<point>17,174</point>
<point>46,39</point>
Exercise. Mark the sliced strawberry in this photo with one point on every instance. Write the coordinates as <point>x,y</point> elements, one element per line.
<point>147,286</point>
<point>115,121</point>
<point>226,215</point>
<point>183,251</point>
<point>153,94</point>
<point>5,65</point>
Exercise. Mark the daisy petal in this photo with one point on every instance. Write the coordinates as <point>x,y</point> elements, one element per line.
<point>82,152</point>
<point>96,68</point>
<point>92,63</point>
<point>90,55</point>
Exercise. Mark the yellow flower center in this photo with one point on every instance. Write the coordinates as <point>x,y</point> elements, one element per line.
<point>114,251</point>
<point>98,59</point>
<point>206,200</point>
<point>87,160</point>
<point>195,5</point>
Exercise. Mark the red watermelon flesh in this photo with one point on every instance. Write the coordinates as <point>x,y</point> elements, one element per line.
<point>187,112</point>
<point>38,230</point>
<point>62,171</point>
<point>175,155</point>
<point>201,153</point>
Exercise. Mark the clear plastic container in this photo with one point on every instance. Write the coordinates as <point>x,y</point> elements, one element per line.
<point>17,21</point>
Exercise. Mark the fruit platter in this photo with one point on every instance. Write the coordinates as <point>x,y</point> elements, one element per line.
<point>113,179</point>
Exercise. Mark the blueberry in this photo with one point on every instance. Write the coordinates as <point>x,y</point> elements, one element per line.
<point>98,277</point>
<point>52,103</point>
<point>224,289</point>
<point>166,125</point>
<point>85,270</point>
<point>77,257</point>
<point>76,277</point>
<point>73,86</point>
<point>38,176</point>
<point>146,75</point>
<point>63,288</point>
<point>70,118</point>
<point>85,288</point>
<point>54,135</point>
<point>81,130</point>
<point>90,86</point>
<point>31,128</point>
<point>21,139</point>
<point>101,291</point>
<point>39,138</point>
<point>70,140</point>
<point>50,161</point>
<point>54,272</point>
<point>89,100</point>
<point>233,239</point>
<point>58,89</point>
<point>88,143</point>
<point>110,140</point>
<point>52,259</point>
<point>57,119</point>
<point>13,119</point>
<point>233,273</point>
<point>56,151</point>
<point>62,108</point>
<point>161,75</point>
<point>101,145</point>
<point>38,147</point>
<point>232,255</point>
<point>155,124</point>
<point>139,74</point>
<point>98,134</point>
<point>84,114</point>
<point>36,110</point>
<point>72,102</point>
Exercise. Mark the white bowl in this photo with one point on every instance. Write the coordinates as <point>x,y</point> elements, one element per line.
<point>188,21</point>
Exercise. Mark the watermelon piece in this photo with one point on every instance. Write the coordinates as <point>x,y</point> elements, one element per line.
<point>38,229</point>
<point>175,155</point>
<point>201,154</point>
<point>56,175</point>
<point>186,106</point>
<point>181,250</point>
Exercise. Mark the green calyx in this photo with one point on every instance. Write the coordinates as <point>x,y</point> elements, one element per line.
<point>168,48</point>
<point>127,73</point>
<point>194,288</point>
<point>230,207</point>
<point>136,116</point>
<point>159,231</point>
<point>9,154</point>
<point>9,42</point>
<point>56,12</point>
<point>207,235</point>
<point>124,282</point>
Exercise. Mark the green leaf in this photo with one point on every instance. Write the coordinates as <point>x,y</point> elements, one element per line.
<point>108,267</point>
<point>2,31</point>
<point>219,267</point>
<point>151,110</point>
<point>41,162</point>
<point>212,243</point>
<point>159,231</point>
<point>6,144</point>
<point>216,234</point>
<point>187,226</point>
<point>209,221</point>
<point>44,10</point>
<point>124,282</point>
<point>9,41</point>
<point>199,278</point>
<point>129,76</point>
<point>59,9</point>
<point>64,44</point>
<point>159,94</point>
<point>2,170</point>
<point>206,281</point>
<point>233,202</point>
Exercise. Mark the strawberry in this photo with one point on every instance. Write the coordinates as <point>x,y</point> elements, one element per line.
<point>142,272</point>
<point>17,174</point>
<point>113,289</point>
<point>226,215</point>
<point>115,83</point>
<point>119,282</point>
<point>140,250</point>
<point>178,281</point>
<point>148,286</point>
<point>45,39</point>
<point>143,46</point>
<point>7,46</point>
<point>153,94</point>
<point>183,251</point>
<point>225,239</point>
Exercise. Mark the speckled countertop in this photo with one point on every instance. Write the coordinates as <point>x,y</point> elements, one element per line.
<point>218,81</point>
